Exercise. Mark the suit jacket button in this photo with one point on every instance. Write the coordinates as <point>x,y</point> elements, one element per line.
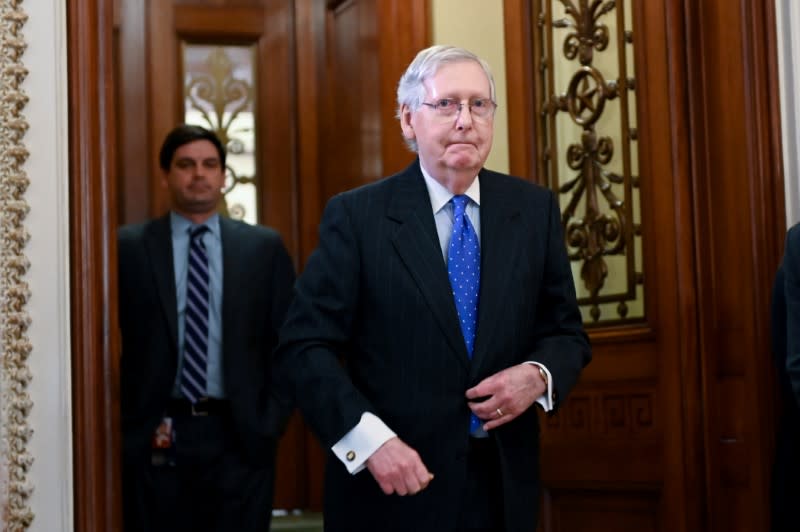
<point>351,455</point>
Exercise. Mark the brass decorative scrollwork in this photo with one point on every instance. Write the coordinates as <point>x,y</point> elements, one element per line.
<point>602,186</point>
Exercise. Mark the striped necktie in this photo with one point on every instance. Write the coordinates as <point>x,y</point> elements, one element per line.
<point>464,271</point>
<point>195,339</point>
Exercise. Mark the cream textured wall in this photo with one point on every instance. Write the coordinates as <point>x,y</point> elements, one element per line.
<point>477,25</point>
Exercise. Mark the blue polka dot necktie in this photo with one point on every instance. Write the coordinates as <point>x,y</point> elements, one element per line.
<point>195,336</point>
<point>464,271</point>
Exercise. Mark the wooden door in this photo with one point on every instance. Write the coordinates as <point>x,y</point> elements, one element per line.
<point>671,425</point>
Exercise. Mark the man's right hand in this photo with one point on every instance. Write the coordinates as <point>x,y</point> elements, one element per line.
<point>397,468</point>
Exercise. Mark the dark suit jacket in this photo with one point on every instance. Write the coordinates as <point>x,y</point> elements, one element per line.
<point>791,272</point>
<point>376,294</point>
<point>786,468</point>
<point>257,281</point>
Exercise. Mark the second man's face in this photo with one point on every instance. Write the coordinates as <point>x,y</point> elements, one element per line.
<point>195,178</point>
<point>459,143</point>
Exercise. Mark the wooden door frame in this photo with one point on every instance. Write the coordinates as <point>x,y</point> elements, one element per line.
<point>92,204</point>
<point>739,451</point>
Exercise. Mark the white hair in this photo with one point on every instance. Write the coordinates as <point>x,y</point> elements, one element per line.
<point>411,90</point>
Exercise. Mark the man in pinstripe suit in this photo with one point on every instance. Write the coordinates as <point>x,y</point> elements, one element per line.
<point>378,295</point>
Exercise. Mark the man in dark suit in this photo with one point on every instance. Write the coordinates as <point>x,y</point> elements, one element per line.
<point>447,293</point>
<point>786,351</point>
<point>201,300</point>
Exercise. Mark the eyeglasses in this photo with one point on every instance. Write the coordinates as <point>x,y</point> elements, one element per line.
<point>480,108</point>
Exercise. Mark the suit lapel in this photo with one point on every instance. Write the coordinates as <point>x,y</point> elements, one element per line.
<point>500,244</point>
<point>158,242</point>
<point>417,243</point>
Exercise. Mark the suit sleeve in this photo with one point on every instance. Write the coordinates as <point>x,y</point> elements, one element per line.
<point>791,271</point>
<point>315,335</point>
<point>561,343</point>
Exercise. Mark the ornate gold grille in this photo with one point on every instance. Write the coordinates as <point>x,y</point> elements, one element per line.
<point>587,148</point>
<point>219,93</point>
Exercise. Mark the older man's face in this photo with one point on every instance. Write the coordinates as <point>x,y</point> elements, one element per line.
<point>456,144</point>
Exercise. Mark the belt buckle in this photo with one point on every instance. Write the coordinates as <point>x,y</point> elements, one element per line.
<point>197,404</point>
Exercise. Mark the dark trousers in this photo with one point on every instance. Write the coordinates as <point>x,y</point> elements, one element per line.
<point>786,474</point>
<point>210,488</point>
<point>482,496</point>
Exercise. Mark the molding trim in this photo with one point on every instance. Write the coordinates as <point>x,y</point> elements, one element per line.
<point>93,259</point>
<point>788,19</point>
<point>15,374</point>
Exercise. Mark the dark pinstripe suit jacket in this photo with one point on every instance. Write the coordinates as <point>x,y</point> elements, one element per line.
<point>376,294</point>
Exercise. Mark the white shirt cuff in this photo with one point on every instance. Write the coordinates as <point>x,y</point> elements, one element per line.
<point>361,442</point>
<point>546,399</point>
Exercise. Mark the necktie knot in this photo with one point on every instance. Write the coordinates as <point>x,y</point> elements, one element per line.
<point>197,231</point>
<point>460,204</point>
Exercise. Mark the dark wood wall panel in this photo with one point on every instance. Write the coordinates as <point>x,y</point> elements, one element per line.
<point>350,75</point>
<point>737,179</point>
<point>404,29</point>
<point>160,85</point>
<point>309,60</point>
<point>133,167</point>
<point>685,448</point>
<point>93,294</point>
<point>518,24</point>
<point>361,47</point>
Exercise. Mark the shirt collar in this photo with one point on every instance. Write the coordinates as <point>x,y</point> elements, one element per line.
<point>440,196</point>
<point>180,225</point>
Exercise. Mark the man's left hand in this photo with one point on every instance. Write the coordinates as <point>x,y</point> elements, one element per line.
<point>508,394</point>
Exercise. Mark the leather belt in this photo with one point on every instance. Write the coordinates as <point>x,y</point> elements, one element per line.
<point>205,406</point>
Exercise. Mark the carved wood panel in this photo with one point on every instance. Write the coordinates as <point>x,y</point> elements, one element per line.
<point>590,511</point>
